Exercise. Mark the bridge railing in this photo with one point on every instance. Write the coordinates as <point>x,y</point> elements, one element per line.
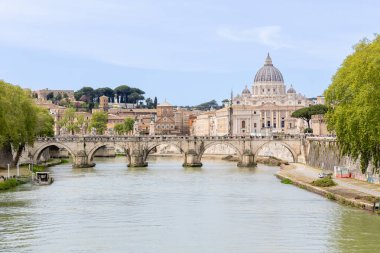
<point>120,138</point>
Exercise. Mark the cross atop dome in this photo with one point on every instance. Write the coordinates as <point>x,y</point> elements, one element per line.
<point>268,61</point>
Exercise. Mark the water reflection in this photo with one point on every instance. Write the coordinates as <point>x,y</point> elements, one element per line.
<point>167,208</point>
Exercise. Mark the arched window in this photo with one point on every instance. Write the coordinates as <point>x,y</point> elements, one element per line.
<point>243,124</point>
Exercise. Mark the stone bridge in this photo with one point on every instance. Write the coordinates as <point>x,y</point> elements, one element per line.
<point>137,148</point>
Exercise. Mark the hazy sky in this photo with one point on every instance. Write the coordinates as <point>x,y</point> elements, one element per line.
<point>185,51</point>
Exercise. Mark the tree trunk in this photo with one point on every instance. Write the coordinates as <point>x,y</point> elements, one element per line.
<point>18,155</point>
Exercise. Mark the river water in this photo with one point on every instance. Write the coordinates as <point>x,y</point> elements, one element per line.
<point>166,208</point>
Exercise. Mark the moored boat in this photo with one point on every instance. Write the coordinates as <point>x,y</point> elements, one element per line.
<point>43,178</point>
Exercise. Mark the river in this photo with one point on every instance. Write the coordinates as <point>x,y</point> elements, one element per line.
<point>166,208</point>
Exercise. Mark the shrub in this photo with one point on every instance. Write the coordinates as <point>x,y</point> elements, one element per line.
<point>324,182</point>
<point>330,196</point>
<point>308,131</point>
<point>7,184</point>
<point>286,181</point>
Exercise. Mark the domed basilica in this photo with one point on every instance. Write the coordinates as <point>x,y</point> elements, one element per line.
<point>263,109</point>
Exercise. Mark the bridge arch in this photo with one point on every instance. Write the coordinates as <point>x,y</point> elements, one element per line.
<point>155,145</point>
<point>38,152</point>
<point>102,145</point>
<point>214,143</point>
<point>284,145</point>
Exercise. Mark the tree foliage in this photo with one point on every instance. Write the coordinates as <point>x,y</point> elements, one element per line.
<point>99,122</point>
<point>106,91</point>
<point>21,121</point>
<point>73,122</point>
<point>208,105</point>
<point>45,123</point>
<point>354,96</point>
<point>306,112</point>
<point>125,127</point>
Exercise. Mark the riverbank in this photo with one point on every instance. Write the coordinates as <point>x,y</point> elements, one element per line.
<point>348,191</point>
<point>24,172</point>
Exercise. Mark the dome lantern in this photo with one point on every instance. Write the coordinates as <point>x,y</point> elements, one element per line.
<point>268,73</point>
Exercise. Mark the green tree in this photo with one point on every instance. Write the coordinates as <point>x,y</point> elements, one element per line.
<point>85,91</point>
<point>106,91</point>
<point>50,96</point>
<point>69,121</point>
<point>208,105</point>
<point>45,123</point>
<point>119,129</point>
<point>19,121</point>
<point>122,91</point>
<point>354,96</point>
<point>306,112</point>
<point>99,122</point>
<point>155,103</point>
<point>149,103</point>
<point>128,124</point>
<point>125,127</point>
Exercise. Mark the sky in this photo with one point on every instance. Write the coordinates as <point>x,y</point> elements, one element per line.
<point>186,52</point>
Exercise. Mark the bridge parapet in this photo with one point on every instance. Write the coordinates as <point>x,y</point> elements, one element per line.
<point>120,138</point>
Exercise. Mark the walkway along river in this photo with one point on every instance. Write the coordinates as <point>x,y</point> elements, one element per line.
<point>166,208</point>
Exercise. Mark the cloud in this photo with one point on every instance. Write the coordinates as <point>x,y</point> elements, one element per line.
<point>266,35</point>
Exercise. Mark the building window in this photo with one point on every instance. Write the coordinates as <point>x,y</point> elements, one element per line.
<point>263,125</point>
<point>254,112</point>
<point>290,125</point>
<point>243,124</point>
<point>282,124</point>
<point>274,125</point>
<point>268,123</point>
<point>299,102</point>
<point>254,125</point>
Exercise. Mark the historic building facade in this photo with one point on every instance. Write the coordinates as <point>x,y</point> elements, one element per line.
<point>261,110</point>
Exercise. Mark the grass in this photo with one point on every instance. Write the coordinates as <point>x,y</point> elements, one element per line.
<point>324,182</point>
<point>13,204</point>
<point>10,183</point>
<point>286,181</point>
<point>39,168</point>
<point>330,196</point>
<point>64,161</point>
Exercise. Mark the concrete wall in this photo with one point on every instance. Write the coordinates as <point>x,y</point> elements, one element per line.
<point>325,154</point>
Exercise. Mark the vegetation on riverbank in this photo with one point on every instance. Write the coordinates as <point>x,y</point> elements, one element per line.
<point>10,183</point>
<point>286,181</point>
<point>21,122</point>
<point>39,168</point>
<point>324,182</point>
<point>324,187</point>
<point>353,98</point>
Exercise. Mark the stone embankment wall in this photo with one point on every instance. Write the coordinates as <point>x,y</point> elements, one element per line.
<point>324,153</point>
<point>5,157</point>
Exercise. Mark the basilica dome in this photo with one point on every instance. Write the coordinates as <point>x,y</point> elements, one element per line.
<point>268,73</point>
<point>291,90</point>
<point>246,91</point>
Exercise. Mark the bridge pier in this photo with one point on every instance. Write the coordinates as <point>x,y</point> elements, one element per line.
<point>81,160</point>
<point>247,160</point>
<point>192,159</point>
<point>137,159</point>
